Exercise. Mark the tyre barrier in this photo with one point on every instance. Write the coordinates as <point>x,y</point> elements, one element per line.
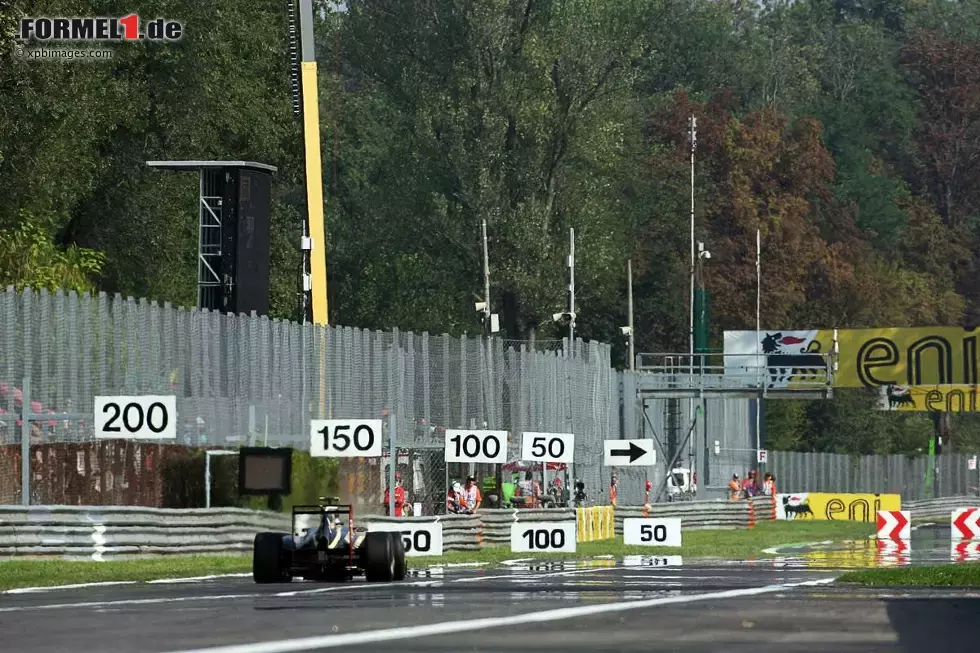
<point>938,511</point>
<point>696,515</point>
<point>101,532</point>
<point>496,523</point>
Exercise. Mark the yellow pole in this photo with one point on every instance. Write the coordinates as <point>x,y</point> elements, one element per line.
<point>314,167</point>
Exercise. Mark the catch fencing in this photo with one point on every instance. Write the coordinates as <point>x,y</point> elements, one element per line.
<point>253,380</point>
<point>908,476</point>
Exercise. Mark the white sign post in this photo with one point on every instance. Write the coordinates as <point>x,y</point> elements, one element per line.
<point>548,447</point>
<point>652,532</point>
<point>345,438</point>
<point>558,536</point>
<point>629,453</point>
<point>463,446</point>
<point>420,538</point>
<point>144,417</point>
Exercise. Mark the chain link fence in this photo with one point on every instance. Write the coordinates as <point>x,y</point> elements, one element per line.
<point>909,476</point>
<point>252,380</point>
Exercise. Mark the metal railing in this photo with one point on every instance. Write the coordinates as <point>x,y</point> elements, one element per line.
<point>738,371</point>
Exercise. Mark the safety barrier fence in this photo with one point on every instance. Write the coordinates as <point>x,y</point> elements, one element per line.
<point>595,523</point>
<point>99,532</point>
<point>938,510</point>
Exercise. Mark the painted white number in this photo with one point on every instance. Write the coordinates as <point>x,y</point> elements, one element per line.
<point>471,447</point>
<point>543,536</point>
<point>548,447</point>
<point>420,541</point>
<point>656,533</point>
<point>339,438</point>
<point>419,538</point>
<point>149,417</point>
<point>544,539</point>
<point>363,439</point>
<point>476,446</point>
<point>652,532</point>
<point>555,447</point>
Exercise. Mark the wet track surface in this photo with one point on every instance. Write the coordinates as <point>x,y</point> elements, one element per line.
<point>784,604</point>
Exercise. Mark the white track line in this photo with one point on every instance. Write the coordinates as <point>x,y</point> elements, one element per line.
<point>428,630</point>
<point>49,588</point>
<point>75,586</point>
<point>197,579</point>
<point>109,604</point>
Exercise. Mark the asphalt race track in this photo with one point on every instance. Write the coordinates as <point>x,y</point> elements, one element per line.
<point>599,605</point>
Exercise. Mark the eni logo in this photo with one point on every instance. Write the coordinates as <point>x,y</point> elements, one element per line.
<point>880,361</point>
<point>837,507</point>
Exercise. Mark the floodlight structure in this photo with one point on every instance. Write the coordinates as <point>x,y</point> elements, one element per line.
<point>234,204</point>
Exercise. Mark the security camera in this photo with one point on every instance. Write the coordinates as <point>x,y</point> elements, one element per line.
<point>557,317</point>
<point>707,255</point>
<point>626,330</point>
<point>481,307</point>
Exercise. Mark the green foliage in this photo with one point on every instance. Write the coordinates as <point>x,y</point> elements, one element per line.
<point>845,131</point>
<point>29,258</point>
<point>183,481</point>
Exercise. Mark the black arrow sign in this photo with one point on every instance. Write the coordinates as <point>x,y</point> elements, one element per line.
<point>634,452</point>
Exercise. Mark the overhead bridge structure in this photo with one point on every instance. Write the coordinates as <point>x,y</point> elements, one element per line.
<point>714,376</point>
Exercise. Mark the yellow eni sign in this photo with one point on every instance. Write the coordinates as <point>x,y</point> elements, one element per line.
<point>924,368</point>
<point>922,356</point>
<point>835,506</point>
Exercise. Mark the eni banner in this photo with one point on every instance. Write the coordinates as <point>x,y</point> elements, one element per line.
<point>835,506</point>
<point>923,368</point>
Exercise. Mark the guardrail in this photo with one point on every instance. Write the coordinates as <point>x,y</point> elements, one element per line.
<point>110,531</point>
<point>696,515</point>
<point>938,510</point>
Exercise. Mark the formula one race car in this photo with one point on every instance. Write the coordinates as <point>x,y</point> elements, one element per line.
<point>325,545</point>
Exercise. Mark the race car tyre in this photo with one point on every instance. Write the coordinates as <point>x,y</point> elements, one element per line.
<point>270,562</point>
<point>379,558</point>
<point>398,545</point>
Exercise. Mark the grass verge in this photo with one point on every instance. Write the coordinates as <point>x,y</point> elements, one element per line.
<point>38,573</point>
<point>962,575</point>
<point>734,544</point>
<point>742,544</point>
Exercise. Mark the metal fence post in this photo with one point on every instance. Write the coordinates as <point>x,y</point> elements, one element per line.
<point>25,443</point>
<point>392,429</point>
<point>207,479</point>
